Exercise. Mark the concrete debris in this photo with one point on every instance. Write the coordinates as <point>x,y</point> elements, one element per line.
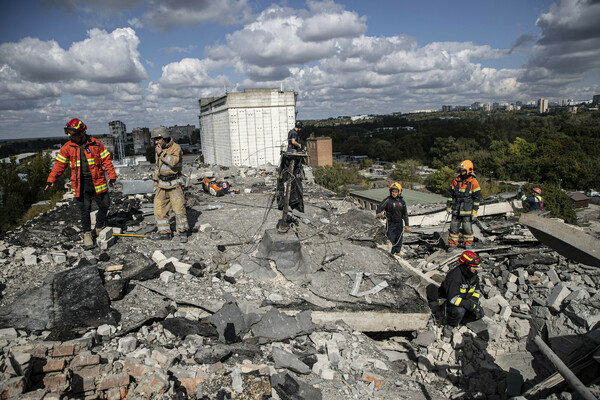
<point>320,312</point>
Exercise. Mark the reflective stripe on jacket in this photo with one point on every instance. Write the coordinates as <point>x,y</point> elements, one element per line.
<point>456,287</point>
<point>98,158</point>
<point>464,195</point>
<point>168,167</point>
<point>535,202</point>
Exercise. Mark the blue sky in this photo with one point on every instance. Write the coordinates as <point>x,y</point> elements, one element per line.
<point>146,63</point>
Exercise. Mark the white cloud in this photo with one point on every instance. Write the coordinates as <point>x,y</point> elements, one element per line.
<point>170,13</point>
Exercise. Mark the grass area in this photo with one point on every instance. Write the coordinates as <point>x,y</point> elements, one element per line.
<point>34,211</point>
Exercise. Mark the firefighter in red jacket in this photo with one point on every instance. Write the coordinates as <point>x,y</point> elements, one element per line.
<point>463,202</point>
<point>89,161</point>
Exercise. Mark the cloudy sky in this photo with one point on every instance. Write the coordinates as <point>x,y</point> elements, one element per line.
<point>147,63</point>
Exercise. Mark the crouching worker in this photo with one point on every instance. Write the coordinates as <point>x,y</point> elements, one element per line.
<point>168,183</point>
<point>459,293</point>
<point>397,216</point>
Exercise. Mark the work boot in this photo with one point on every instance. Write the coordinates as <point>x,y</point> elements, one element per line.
<point>160,236</point>
<point>88,240</point>
<point>183,237</point>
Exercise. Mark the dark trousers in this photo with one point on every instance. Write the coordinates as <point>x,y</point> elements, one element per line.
<point>394,233</point>
<point>456,315</point>
<point>87,193</point>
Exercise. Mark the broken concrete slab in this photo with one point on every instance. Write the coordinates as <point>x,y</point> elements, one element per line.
<point>563,238</point>
<point>286,251</point>
<point>137,186</point>
<point>139,306</point>
<point>288,387</point>
<point>229,321</point>
<point>277,326</point>
<point>71,299</point>
<point>284,359</point>
<point>486,329</point>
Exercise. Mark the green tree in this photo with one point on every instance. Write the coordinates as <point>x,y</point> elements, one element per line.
<point>406,171</point>
<point>336,177</point>
<point>366,163</point>
<point>440,181</point>
<point>37,171</point>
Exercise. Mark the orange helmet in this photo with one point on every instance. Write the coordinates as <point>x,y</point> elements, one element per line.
<point>466,165</point>
<point>75,125</point>
<point>537,190</point>
<point>469,258</point>
<point>397,187</point>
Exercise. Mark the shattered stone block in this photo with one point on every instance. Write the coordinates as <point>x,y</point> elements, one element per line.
<point>486,329</point>
<point>158,256</point>
<point>167,262</point>
<point>234,271</point>
<point>205,228</point>
<point>559,293</point>
<point>8,334</point>
<point>106,330</point>
<point>577,295</point>
<point>425,338</point>
<point>167,276</point>
<point>105,244</point>
<point>105,233</point>
<point>182,267</point>
<point>59,258</point>
<point>284,359</point>
<point>30,260</point>
<point>520,327</point>
<point>553,276</point>
<point>584,316</point>
<point>505,313</point>
<point>127,344</point>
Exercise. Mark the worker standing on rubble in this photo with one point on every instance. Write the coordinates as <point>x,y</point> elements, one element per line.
<point>536,203</point>
<point>168,185</point>
<point>459,293</point>
<point>89,160</point>
<point>397,216</point>
<point>463,202</point>
<point>294,138</point>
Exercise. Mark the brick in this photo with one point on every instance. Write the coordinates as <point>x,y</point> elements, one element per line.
<point>134,368</point>
<point>49,365</point>
<point>249,368</point>
<point>156,383</point>
<point>116,394</point>
<point>113,381</point>
<point>84,360</point>
<point>36,350</point>
<point>81,384</point>
<point>55,381</point>
<point>378,379</point>
<point>93,371</point>
<point>12,387</point>
<point>534,280</point>
<point>190,384</point>
<point>63,350</point>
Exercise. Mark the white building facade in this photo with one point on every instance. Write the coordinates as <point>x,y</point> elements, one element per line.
<point>246,128</point>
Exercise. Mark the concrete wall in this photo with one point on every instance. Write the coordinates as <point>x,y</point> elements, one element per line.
<point>246,128</point>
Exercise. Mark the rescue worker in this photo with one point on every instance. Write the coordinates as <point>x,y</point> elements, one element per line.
<point>460,292</point>
<point>463,202</point>
<point>89,160</point>
<point>536,203</point>
<point>168,185</point>
<point>294,138</point>
<point>397,216</point>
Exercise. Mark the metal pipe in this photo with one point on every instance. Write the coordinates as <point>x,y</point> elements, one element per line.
<point>128,234</point>
<point>569,376</point>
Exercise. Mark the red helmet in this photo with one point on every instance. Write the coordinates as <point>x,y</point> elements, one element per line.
<point>470,259</point>
<point>75,125</point>
<point>537,190</point>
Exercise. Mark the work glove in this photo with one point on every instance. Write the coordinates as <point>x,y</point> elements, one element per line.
<point>468,305</point>
<point>407,228</point>
<point>519,191</point>
<point>478,310</point>
<point>48,185</point>
<point>474,216</point>
<point>111,182</point>
<point>378,215</point>
<point>449,209</point>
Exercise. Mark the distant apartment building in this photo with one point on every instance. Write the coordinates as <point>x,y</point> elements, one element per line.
<point>487,107</point>
<point>596,99</point>
<point>542,106</point>
<point>476,106</point>
<point>446,108</point>
<point>182,134</point>
<point>118,131</point>
<point>141,140</point>
<point>495,106</point>
<point>246,128</point>
<point>109,142</point>
<point>320,152</point>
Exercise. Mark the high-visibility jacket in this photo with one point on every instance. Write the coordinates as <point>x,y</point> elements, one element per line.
<point>460,288</point>
<point>169,164</point>
<point>535,202</point>
<point>464,196</point>
<point>98,158</point>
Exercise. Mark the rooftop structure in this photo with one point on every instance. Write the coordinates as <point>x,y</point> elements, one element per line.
<point>246,128</point>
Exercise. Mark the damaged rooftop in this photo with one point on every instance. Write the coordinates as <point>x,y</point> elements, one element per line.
<point>321,312</point>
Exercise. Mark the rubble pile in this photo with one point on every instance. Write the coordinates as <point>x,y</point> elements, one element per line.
<point>244,312</point>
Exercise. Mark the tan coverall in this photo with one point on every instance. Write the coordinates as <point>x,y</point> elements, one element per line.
<point>169,192</point>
